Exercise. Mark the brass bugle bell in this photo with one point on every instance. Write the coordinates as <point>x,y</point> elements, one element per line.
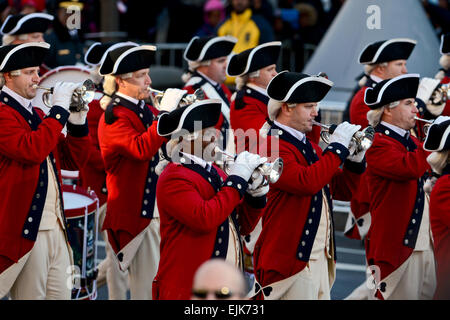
<point>81,96</point>
<point>362,139</point>
<point>426,126</point>
<point>271,171</point>
<point>441,94</point>
<point>157,95</point>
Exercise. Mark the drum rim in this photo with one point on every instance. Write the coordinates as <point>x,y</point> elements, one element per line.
<point>63,68</point>
<point>80,211</point>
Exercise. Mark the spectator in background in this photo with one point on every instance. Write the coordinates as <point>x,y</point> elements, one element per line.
<point>439,14</point>
<point>250,29</point>
<point>66,44</point>
<point>31,6</point>
<point>5,10</point>
<point>214,13</point>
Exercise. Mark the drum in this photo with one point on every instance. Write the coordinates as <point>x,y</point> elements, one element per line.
<point>63,73</point>
<point>81,211</point>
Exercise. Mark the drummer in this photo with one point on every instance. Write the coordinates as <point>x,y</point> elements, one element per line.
<point>22,28</point>
<point>35,256</point>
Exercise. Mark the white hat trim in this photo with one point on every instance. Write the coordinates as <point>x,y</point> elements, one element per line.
<point>380,49</point>
<point>25,18</point>
<point>252,53</point>
<point>207,45</point>
<point>186,112</point>
<point>21,46</point>
<point>124,54</point>
<point>115,46</point>
<point>386,85</point>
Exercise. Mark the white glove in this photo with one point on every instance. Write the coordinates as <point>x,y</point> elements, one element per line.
<point>245,164</point>
<point>343,133</point>
<point>426,88</point>
<point>358,157</point>
<point>171,99</point>
<point>256,189</point>
<point>62,94</point>
<point>78,117</point>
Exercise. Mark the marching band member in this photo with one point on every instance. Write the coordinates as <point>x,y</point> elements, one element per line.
<point>253,69</point>
<point>435,106</point>
<point>35,256</point>
<point>294,255</point>
<point>398,246</point>
<point>438,143</point>
<point>203,212</point>
<point>382,60</point>
<point>129,145</point>
<point>207,60</point>
<point>20,28</point>
<point>93,175</point>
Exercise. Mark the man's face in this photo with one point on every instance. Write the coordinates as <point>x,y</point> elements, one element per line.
<point>394,69</point>
<point>137,86</point>
<point>240,5</point>
<point>217,69</point>
<point>30,37</point>
<point>265,75</point>
<point>23,83</point>
<point>302,115</point>
<point>403,114</point>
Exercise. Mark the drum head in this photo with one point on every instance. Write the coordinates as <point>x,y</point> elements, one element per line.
<point>63,73</point>
<point>76,200</point>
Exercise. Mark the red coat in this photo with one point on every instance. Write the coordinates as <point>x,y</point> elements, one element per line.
<point>198,81</point>
<point>394,177</point>
<point>289,224</point>
<point>93,175</point>
<point>129,150</point>
<point>192,210</point>
<point>440,226</point>
<point>25,142</point>
<point>248,112</point>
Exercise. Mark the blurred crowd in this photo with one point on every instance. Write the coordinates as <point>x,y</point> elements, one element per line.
<point>294,22</point>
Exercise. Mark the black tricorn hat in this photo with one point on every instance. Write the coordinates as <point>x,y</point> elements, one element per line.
<point>390,90</point>
<point>21,56</point>
<point>387,50</point>
<point>97,50</point>
<point>127,58</point>
<point>438,136</point>
<point>207,48</point>
<point>294,87</point>
<point>26,23</point>
<point>198,115</point>
<point>254,59</point>
<point>445,44</point>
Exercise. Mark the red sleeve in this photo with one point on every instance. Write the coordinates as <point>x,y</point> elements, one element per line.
<point>126,140</point>
<point>20,144</point>
<point>389,159</point>
<point>302,179</point>
<point>181,199</point>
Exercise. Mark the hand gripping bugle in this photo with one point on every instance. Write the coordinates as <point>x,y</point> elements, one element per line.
<point>157,95</point>
<point>362,139</point>
<point>271,171</point>
<point>81,96</point>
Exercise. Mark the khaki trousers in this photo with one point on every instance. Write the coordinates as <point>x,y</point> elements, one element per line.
<point>143,267</point>
<point>416,282</point>
<point>46,274</point>
<point>116,280</point>
<point>312,283</point>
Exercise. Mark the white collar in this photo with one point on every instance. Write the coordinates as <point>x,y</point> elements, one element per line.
<point>23,101</point>
<point>197,160</point>
<point>256,88</point>
<point>375,78</point>
<point>133,100</point>
<point>394,128</point>
<point>297,134</point>
<point>214,83</point>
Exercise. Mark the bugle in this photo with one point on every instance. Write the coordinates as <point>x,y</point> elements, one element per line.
<point>81,96</point>
<point>157,95</point>
<point>362,139</point>
<point>426,126</point>
<point>271,171</point>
